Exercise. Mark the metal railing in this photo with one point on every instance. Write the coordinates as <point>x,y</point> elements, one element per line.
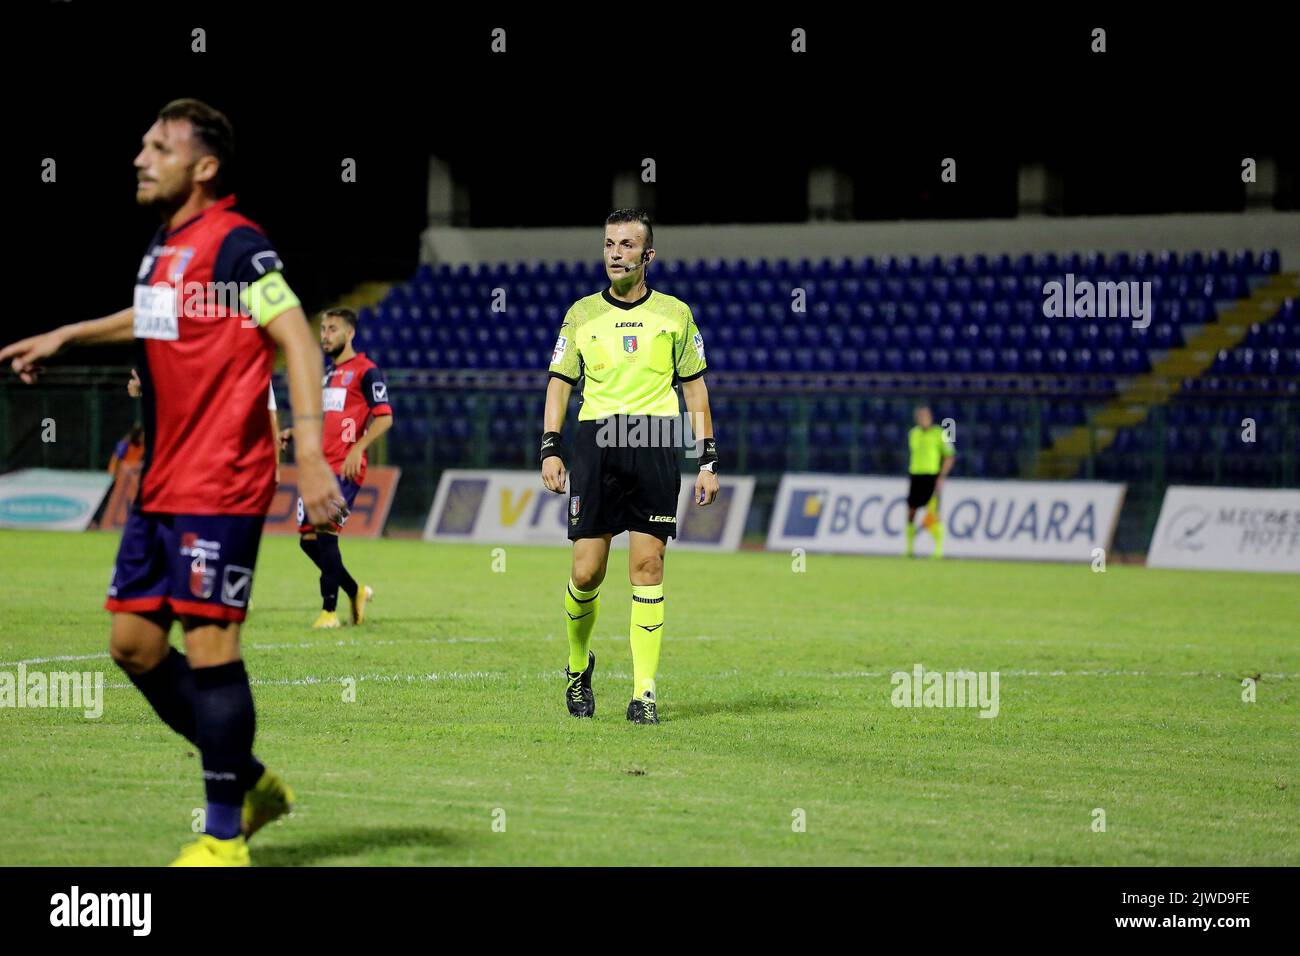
<point>766,425</point>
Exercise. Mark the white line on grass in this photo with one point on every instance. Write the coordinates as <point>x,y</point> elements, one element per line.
<point>351,642</point>
<point>54,660</point>
<point>546,675</point>
<point>444,676</point>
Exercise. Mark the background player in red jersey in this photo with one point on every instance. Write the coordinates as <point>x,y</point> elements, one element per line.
<point>357,412</point>
<point>190,543</point>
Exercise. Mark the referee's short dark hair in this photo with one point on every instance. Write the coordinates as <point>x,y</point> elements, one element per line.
<point>347,315</point>
<point>632,214</point>
<point>213,131</point>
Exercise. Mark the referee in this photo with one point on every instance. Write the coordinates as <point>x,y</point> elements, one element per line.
<point>931,458</point>
<point>632,345</point>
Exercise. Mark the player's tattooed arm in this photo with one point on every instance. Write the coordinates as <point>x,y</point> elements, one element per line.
<point>26,354</point>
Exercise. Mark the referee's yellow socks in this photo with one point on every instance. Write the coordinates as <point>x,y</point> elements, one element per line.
<point>647,634</point>
<point>936,527</point>
<point>580,611</point>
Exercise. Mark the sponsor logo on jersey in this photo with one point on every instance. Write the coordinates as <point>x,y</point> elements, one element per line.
<point>561,345</point>
<point>698,341</point>
<point>332,399</point>
<point>154,313</point>
<point>668,518</point>
<point>629,325</point>
<point>380,392</point>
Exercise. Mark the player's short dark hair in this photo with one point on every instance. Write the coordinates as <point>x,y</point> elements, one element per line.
<point>347,315</point>
<point>213,131</point>
<point>632,214</point>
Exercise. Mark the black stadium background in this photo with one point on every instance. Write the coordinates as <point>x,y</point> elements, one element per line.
<point>537,134</point>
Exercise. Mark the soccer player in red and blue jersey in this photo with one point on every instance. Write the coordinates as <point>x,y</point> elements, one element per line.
<point>357,412</point>
<point>210,308</point>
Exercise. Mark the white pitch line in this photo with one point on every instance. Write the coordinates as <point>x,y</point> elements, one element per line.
<point>466,675</point>
<point>363,642</point>
<point>375,678</point>
<point>53,660</point>
<point>443,676</point>
<point>1033,673</point>
<point>351,642</point>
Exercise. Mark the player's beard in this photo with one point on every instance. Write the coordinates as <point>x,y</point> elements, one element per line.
<point>163,202</point>
<point>335,352</point>
<point>164,206</point>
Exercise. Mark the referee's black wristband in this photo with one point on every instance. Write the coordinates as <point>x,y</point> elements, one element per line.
<point>709,458</point>
<point>551,446</point>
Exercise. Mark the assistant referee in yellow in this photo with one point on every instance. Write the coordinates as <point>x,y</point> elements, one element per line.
<point>632,345</point>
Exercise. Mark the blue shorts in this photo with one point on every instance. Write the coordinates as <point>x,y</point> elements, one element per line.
<point>349,489</point>
<point>199,565</point>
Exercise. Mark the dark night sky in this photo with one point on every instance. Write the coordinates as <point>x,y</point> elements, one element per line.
<point>537,133</point>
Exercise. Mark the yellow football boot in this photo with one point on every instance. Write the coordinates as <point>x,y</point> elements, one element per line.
<point>209,851</point>
<point>269,799</point>
<point>365,594</point>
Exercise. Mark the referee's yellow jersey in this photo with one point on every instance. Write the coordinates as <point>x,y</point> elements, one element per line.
<point>928,449</point>
<point>630,353</point>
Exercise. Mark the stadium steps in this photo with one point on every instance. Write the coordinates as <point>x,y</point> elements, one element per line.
<point>1136,397</point>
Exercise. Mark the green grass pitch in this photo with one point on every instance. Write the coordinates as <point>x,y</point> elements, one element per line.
<point>1119,691</point>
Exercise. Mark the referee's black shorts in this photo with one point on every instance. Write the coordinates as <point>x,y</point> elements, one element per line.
<point>921,490</point>
<point>615,488</point>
